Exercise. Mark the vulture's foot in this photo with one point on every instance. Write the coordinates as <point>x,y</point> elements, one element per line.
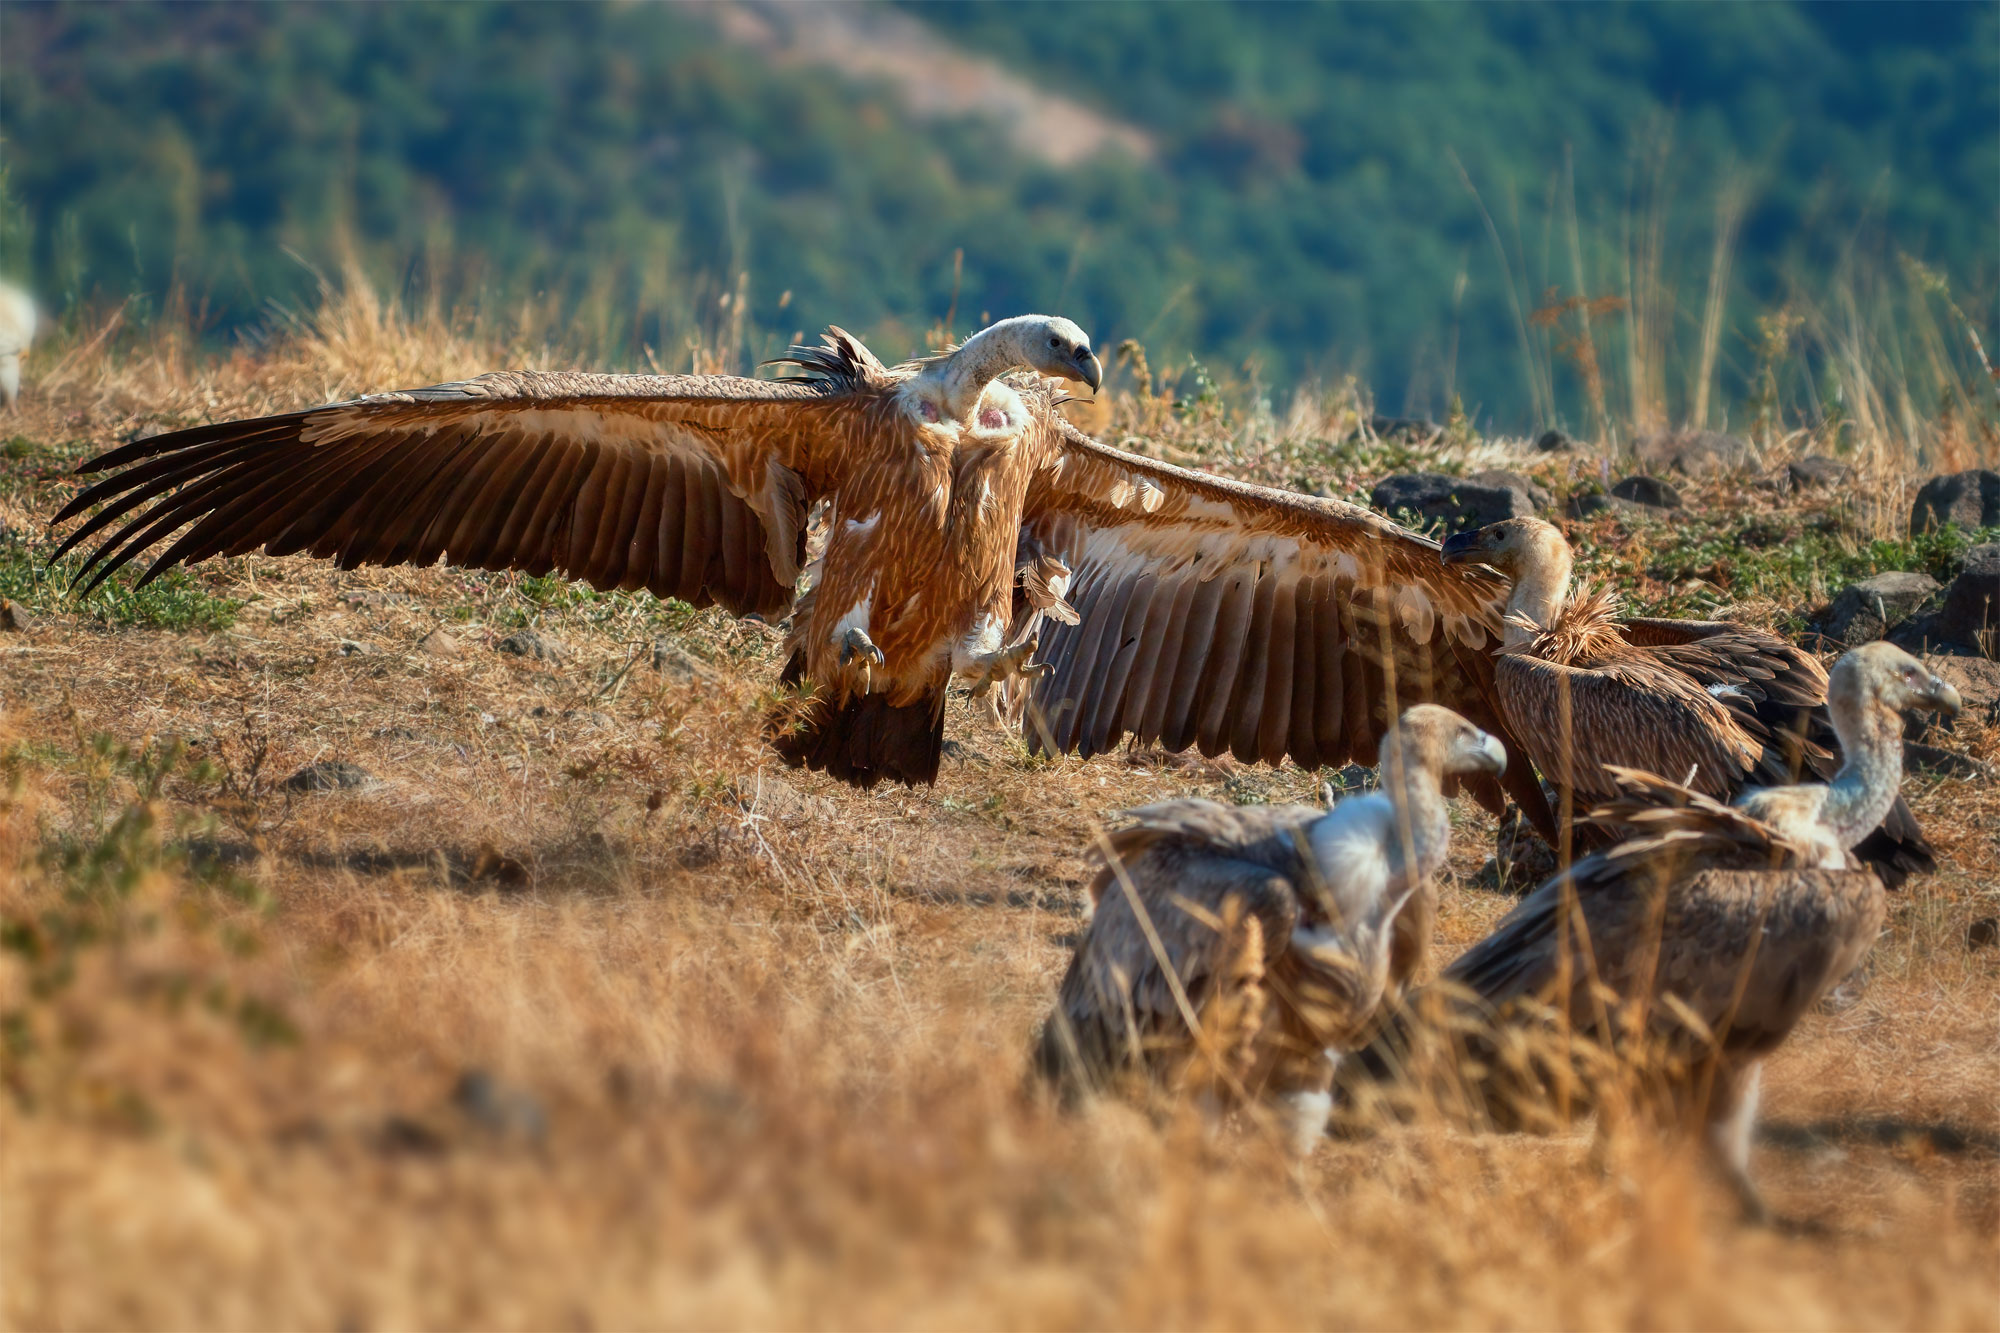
<point>856,643</point>
<point>1009,664</point>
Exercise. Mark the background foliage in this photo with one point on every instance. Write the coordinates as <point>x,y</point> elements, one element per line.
<point>1305,211</point>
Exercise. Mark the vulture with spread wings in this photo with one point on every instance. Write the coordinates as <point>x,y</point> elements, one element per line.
<point>965,517</point>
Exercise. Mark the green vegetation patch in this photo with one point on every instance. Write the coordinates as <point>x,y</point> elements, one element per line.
<point>1698,563</point>
<point>177,600</point>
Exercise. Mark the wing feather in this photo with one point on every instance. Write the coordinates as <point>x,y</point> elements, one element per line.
<point>1101,724</point>
<point>530,471</point>
<point>1218,677</point>
<point>1154,676</point>
<point>1106,622</point>
<point>1300,740</point>
<point>1177,731</point>
<point>1246,701</point>
<point>1274,709</point>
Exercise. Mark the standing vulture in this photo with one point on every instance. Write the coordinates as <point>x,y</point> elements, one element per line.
<point>1733,705</point>
<point>1210,613</point>
<point>1690,950</point>
<point>1240,949</point>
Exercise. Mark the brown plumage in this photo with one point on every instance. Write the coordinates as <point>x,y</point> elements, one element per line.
<point>964,517</point>
<point>1691,953</point>
<point>1691,948</point>
<point>1235,950</point>
<point>1731,705</point>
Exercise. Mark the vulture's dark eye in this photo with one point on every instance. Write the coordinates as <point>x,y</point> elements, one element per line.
<point>1054,341</point>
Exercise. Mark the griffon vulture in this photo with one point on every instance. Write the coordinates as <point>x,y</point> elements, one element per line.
<point>1208,612</point>
<point>1691,949</point>
<point>1240,949</point>
<point>1733,705</point>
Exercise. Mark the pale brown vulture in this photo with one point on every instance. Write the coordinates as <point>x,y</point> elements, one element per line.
<point>1685,954</point>
<point>1733,705</point>
<point>1211,613</point>
<point>1238,950</point>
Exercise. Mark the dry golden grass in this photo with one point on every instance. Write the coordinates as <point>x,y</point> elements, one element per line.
<point>748,1047</point>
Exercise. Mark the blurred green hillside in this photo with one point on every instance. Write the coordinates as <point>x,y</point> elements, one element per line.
<point>1302,212</point>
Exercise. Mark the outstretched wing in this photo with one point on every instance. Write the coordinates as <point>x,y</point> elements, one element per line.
<point>694,487</point>
<point>1241,618</point>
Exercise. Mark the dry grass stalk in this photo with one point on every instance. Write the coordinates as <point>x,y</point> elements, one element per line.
<point>601,1018</point>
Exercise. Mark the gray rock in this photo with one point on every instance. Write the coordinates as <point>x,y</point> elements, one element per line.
<point>526,643</point>
<point>328,775</point>
<point>1816,473</point>
<point>1533,491</point>
<point>14,616</point>
<point>1692,453</point>
<point>1969,499</point>
<point>356,648</point>
<point>1555,442</point>
<point>677,663</point>
<point>1352,778</point>
<point>499,1108</point>
<point>1648,491</point>
<point>1938,763</point>
<point>1415,430</point>
<point>1458,501</point>
<point>1971,611</point>
<point>1589,504</point>
<point>440,643</point>
<point>1868,610</point>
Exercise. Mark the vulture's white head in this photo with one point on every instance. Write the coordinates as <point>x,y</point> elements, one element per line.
<point>950,385</point>
<point>1432,739</point>
<point>1533,554</point>
<point>1517,547</point>
<point>1049,345</point>
<point>1881,675</point>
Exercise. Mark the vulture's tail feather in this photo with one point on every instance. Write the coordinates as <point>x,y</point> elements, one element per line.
<point>867,739</point>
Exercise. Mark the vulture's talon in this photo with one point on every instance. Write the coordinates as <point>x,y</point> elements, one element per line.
<point>856,643</point>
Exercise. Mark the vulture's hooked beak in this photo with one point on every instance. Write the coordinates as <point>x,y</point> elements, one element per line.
<point>1087,368</point>
<point>1493,753</point>
<point>1942,695</point>
<point>1463,548</point>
